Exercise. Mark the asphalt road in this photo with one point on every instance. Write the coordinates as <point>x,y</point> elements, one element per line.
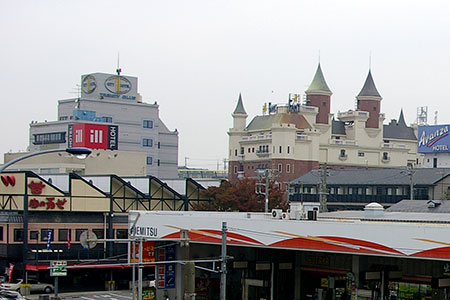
<point>101,295</point>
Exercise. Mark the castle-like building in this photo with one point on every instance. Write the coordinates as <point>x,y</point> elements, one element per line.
<point>294,138</point>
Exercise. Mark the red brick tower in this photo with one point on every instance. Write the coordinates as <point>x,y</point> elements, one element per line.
<point>370,100</point>
<point>319,95</point>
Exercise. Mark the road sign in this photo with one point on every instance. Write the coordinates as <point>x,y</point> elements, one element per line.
<point>58,268</point>
<point>88,239</point>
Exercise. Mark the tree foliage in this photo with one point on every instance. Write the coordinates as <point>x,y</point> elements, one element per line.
<point>241,196</point>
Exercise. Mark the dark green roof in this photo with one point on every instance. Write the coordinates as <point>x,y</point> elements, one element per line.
<point>318,85</point>
<point>369,89</point>
<point>240,107</point>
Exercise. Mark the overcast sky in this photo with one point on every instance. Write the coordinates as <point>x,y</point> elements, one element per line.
<point>195,57</point>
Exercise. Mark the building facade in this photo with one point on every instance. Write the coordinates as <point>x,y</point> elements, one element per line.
<point>434,143</point>
<point>294,138</point>
<point>110,115</point>
<point>352,189</point>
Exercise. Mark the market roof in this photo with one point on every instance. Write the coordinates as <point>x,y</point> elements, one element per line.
<point>318,84</point>
<point>240,107</point>
<point>267,121</point>
<point>399,130</point>
<point>369,89</point>
<point>381,176</point>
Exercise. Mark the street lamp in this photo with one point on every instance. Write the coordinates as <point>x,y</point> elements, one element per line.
<point>79,152</point>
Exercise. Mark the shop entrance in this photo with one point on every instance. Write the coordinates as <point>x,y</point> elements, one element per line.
<point>256,289</point>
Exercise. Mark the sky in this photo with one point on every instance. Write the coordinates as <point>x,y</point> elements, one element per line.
<point>195,57</point>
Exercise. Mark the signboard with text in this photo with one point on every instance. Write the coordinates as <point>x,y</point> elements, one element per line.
<point>433,139</point>
<point>166,272</point>
<point>108,86</point>
<point>93,136</point>
<point>58,268</point>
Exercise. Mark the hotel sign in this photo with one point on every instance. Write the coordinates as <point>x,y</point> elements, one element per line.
<point>433,139</point>
<point>93,136</point>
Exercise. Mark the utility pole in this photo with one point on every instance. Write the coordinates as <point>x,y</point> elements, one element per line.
<point>323,188</point>
<point>411,182</point>
<point>258,190</point>
<point>223,275</point>
<point>266,202</point>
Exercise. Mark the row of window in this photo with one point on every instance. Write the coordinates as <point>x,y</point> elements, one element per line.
<point>376,190</point>
<point>362,154</point>
<point>49,138</point>
<point>147,142</point>
<point>262,149</point>
<point>288,168</point>
<point>64,235</point>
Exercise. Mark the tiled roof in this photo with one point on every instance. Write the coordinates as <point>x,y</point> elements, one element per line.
<point>399,130</point>
<point>266,122</point>
<point>240,107</point>
<point>338,127</point>
<point>382,176</point>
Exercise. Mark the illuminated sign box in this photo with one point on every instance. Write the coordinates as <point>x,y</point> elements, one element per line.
<point>93,136</point>
<point>433,139</point>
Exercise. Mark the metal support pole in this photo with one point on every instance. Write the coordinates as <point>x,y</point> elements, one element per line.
<point>140,271</point>
<point>56,286</point>
<point>133,277</point>
<point>223,275</point>
<point>411,184</point>
<point>266,202</point>
<point>25,232</point>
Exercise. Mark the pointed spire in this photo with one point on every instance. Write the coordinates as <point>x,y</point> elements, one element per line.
<point>401,119</point>
<point>240,107</point>
<point>369,89</point>
<point>318,84</point>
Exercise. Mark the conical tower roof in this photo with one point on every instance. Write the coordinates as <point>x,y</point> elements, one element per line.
<point>318,84</point>
<point>240,107</point>
<point>369,89</point>
<point>401,119</point>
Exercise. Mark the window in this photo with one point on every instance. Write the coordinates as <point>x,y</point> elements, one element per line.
<point>121,233</point>
<point>235,169</point>
<point>253,150</point>
<point>45,233</point>
<point>63,235</point>
<point>324,104</point>
<point>158,162</point>
<point>1,233</point>
<point>249,150</point>
<point>280,168</point>
<point>18,235</point>
<point>281,149</point>
<point>288,168</point>
<point>107,119</point>
<point>385,156</point>
<point>100,233</point>
<point>242,150</point>
<point>78,232</point>
<point>374,108</point>
<point>147,123</point>
<point>49,138</point>
<point>159,145</point>
<point>342,153</point>
<point>34,235</point>
<point>149,160</point>
<point>360,153</point>
<point>147,142</point>
<point>288,149</point>
<point>235,152</point>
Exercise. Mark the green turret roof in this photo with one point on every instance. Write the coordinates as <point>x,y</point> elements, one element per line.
<point>240,107</point>
<point>319,85</point>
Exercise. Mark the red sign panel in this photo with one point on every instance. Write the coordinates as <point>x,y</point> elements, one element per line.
<point>93,136</point>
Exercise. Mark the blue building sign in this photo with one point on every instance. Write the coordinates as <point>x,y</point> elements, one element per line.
<point>433,139</point>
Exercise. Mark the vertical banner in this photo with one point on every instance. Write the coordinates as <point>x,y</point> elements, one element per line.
<point>49,239</point>
<point>10,272</point>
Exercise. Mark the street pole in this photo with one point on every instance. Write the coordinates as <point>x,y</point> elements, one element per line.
<point>266,203</point>
<point>140,271</point>
<point>223,275</point>
<point>411,183</point>
<point>323,189</point>
<point>133,277</point>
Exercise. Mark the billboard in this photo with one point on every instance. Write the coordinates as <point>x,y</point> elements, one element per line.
<point>93,136</point>
<point>433,139</point>
<point>108,86</point>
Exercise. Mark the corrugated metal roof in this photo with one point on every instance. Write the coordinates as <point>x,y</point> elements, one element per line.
<point>425,176</point>
<point>388,216</point>
<point>422,206</point>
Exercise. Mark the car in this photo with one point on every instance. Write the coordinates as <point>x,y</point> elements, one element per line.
<point>35,286</point>
<point>10,295</point>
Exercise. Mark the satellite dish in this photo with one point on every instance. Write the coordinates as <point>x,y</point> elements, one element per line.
<point>88,239</point>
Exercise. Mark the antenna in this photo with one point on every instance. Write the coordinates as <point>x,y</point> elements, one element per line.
<point>435,117</point>
<point>118,70</point>
<point>319,56</point>
<point>370,59</point>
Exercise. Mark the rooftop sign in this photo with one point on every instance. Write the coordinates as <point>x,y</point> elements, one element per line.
<point>108,86</point>
<point>433,139</point>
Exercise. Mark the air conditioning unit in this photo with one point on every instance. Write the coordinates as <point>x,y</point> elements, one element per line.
<point>286,216</point>
<point>277,213</point>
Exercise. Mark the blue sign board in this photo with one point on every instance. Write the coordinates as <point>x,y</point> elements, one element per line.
<point>433,139</point>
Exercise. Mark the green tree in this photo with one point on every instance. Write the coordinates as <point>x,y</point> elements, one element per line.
<point>241,196</point>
